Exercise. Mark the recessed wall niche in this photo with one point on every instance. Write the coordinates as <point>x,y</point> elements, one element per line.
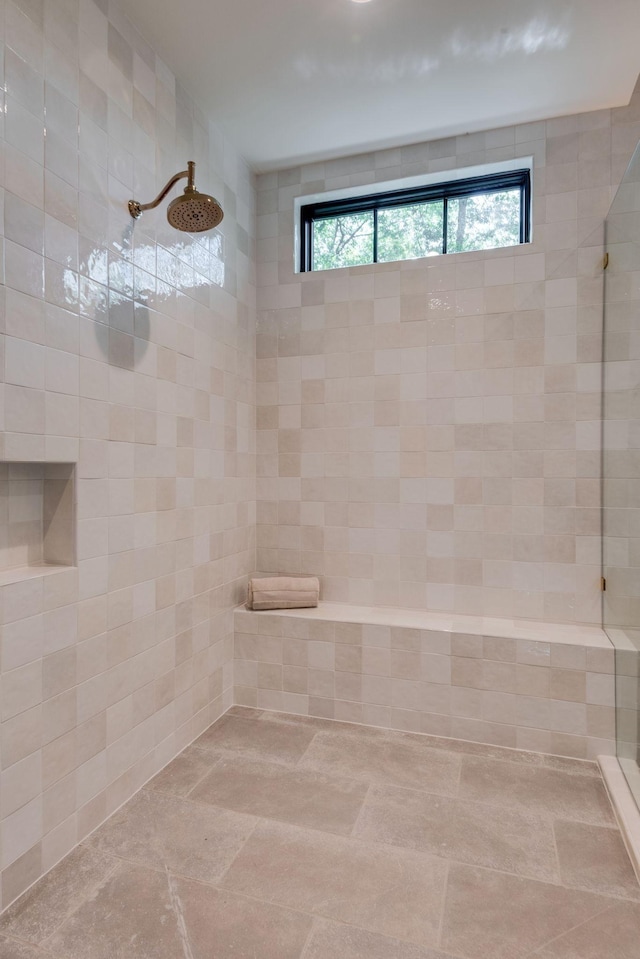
<point>37,519</point>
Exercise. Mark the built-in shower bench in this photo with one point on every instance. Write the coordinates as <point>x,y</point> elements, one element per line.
<point>540,686</point>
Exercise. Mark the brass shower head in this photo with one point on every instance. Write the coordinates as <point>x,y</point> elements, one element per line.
<point>192,212</point>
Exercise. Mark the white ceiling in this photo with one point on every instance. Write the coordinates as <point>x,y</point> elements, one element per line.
<point>292,80</point>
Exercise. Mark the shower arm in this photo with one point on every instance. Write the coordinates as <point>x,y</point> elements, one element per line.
<point>135,208</point>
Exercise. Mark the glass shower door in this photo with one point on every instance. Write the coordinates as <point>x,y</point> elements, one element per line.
<point>621,463</point>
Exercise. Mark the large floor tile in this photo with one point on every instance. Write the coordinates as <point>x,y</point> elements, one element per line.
<point>520,757</point>
<point>185,772</point>
<point>394,892</point>
<point>577,767</point>
<point>384,761</point>
<point>10,949</point>
<point>275,791</point>
<point>332,940</point>
<point>500,916</point>
<point>277,742</point>
<point>469,832</point>
<point>132,917</point>
<point>143,914</point>
<point>222,925</point>
<point>594,857</point>
<point>546,792</point>
<point>614,934</point>
<point>39,912</point>
<point>167,833</point>
<point>282,837</point>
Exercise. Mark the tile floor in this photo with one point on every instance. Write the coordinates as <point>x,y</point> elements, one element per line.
<point>278,837</point>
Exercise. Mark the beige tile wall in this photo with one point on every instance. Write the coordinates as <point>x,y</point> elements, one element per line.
<point>428,432</point>
<point>21,510</point>
<point>130,351</point>
<point>37,517</point>
<point>551,697</point>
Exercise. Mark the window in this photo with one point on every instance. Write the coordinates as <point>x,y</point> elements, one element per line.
<point>477,213</point>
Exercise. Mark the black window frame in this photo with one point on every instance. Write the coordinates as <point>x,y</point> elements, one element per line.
<point>452,189</point>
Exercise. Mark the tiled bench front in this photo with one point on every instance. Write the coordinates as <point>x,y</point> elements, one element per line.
<point>537,686</point>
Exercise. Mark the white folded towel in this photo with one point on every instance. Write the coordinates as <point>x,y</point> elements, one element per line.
<point>283,592</point>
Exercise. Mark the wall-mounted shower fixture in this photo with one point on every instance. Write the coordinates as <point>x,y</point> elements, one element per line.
<point>192,212</point>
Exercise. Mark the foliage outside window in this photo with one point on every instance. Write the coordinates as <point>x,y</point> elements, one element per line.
<point>481,213</point>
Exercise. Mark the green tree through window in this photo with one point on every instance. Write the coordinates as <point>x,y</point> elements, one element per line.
<point>406,232</point>
<point>483,222</point>
<point>343,241</point>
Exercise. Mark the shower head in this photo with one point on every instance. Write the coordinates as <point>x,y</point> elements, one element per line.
<point>192,212</point>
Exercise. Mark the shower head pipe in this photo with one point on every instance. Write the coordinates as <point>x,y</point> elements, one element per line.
<point>193,212</point>
<point>136,209</point>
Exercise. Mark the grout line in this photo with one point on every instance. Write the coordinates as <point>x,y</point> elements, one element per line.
<point>314,927</point>
<point>307,748</point>
<point>443,908</point>
<point>34,948</point>
<point>148,788</point>
<point>202,778</point>
<point>555,849</point>
<point>240,848</point>
<point>352,834</point>
<point>178,910</point>
<point>90,893</point>
<point>534,952</point>
<point>459,782</point>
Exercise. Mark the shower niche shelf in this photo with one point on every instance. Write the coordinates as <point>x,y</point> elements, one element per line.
<point>37,519</point>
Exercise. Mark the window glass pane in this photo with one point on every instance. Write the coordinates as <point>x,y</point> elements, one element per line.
<point>405,232</point>
<point>484,221</point>
<point>343,241</point>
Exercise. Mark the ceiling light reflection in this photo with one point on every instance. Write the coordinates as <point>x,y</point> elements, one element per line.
<point>536,36</point>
